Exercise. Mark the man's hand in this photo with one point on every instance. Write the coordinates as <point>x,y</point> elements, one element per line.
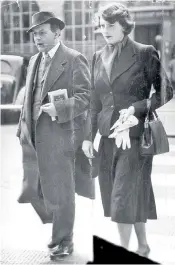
<point>50,109</point>
<point>87,148</point>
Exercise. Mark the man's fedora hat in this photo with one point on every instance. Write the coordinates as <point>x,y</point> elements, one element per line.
<point>43,17</point>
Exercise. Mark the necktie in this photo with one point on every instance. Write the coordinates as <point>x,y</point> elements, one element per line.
<point>47,61</point>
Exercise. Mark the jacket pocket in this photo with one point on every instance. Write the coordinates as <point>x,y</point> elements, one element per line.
<point>75,124</point>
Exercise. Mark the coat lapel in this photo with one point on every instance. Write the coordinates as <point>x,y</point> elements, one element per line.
<point>30,83</point>
<point>126,59</point>
<point>102,71</point>
<point>55,70</point>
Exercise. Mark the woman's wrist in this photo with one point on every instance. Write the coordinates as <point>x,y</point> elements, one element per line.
<point>131,110</point>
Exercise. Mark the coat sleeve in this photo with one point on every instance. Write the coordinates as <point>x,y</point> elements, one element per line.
<point>95,108</point>
<point>158,78</point>
<point>74,106</point>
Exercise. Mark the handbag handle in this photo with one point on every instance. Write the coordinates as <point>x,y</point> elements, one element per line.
<point>148,110</point>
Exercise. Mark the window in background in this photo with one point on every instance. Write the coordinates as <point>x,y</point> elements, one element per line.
<point>16,19</point>
<point>78,16</point>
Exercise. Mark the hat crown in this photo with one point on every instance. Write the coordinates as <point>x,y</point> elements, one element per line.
<point>40,17</point>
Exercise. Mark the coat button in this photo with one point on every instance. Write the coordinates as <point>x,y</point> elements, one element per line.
<point>111,93</point>
<point>112,106</point>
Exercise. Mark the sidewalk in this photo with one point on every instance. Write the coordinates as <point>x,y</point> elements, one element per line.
<point>23,237</point>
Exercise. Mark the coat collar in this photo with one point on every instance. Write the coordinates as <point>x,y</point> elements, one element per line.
<point>55,70</point>
<point>52,52</point>
<point>100,70</point>
<point>124,62</point>
<point>126,59</point>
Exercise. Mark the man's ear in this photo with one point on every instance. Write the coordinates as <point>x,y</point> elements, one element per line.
<point>58,33</point>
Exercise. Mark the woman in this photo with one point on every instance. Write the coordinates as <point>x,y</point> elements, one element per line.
<point>122,75</point>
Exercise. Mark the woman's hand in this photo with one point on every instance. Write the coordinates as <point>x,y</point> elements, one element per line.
<point>125,113</point>
<point>123,140</point>
<point>87,148</point>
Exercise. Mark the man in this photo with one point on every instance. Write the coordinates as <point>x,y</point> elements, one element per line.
<point>52,148</point>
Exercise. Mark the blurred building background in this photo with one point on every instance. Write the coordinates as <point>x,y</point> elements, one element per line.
<point>155,24</point>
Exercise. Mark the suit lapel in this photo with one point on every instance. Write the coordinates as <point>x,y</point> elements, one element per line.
<point>55,70</point>
<point>102,71</point>
<point>126,59</point>
<point>36,73</point>
<point>104,75</point>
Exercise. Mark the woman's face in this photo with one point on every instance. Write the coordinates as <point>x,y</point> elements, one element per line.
<point>112,33</point>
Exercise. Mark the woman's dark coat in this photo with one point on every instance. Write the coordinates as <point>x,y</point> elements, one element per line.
<point>125,175</point>
<point>132,76</point>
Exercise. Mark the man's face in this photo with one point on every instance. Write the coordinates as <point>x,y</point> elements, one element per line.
<point>44,38</point>
<point>112,33</point>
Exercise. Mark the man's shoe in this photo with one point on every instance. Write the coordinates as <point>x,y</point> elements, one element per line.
<point>52,246</point>
<point>61,251</point>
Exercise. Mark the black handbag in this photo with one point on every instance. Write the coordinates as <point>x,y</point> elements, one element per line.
<point>154,140</point>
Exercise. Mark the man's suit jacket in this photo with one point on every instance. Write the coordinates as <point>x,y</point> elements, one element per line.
<point>56,141</point>
<point>132,76</point>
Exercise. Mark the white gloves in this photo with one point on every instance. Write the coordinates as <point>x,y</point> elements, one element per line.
<point>121,131</point>
<point>122,139</point>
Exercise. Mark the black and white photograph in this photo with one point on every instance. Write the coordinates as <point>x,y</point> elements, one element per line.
<point>87,132</point>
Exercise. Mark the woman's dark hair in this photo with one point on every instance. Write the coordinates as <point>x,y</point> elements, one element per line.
<point>117,12</point>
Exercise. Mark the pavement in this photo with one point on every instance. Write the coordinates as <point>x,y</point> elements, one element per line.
<point>24,238</point>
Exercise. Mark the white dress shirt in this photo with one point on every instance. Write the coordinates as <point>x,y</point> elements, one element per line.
<point>52,51</point>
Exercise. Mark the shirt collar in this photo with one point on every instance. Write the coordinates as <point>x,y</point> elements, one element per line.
<point>53,50</point>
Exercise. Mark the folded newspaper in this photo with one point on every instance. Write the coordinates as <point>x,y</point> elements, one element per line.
<point>57,95</point>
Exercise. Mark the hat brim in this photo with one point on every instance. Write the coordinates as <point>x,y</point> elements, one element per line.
<point>49,20</point>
